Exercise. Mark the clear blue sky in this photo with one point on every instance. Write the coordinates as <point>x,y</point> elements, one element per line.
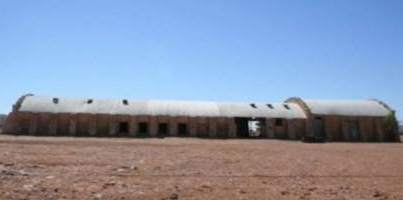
<point>227,50</point>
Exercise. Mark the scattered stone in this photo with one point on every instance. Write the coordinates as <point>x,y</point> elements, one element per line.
<point>377,194</point>
<point>28,187</point>
<point>8,164</point>
<point>23,173</point>
<point>242,191</point>
<point>284,193</point>
<point>106,185</point>
<point>8,172</point>
<point>98,196</point>
<point>206,186</point>
<point>380,195</point>
<point>174,196</point>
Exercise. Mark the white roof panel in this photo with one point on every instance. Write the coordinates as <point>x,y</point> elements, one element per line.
<point>347,107</point>
<point>166,108</point>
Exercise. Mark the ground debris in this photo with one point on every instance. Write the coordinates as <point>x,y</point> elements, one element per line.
<point>173,168</point>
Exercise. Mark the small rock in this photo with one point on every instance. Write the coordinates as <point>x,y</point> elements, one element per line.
<point>98,195</point>
<point>23,173</point>
<point>108,184</point>
<point>242,191</point>
<point>8,173</point>
<point>174,196</point>
<point>8,164</point>
<point>120,170</point>
<point>284,193</point>
<point>50,177</point>
<point>28,187</point>
<point>205,186</point>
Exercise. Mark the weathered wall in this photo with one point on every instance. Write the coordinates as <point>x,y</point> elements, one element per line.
<point>335,127</point>
<point>101,125</point>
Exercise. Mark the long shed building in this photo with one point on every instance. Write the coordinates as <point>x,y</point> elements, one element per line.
<point>294,119</point>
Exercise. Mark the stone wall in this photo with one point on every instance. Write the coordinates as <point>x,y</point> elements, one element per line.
<point>102,125</point>
<point>336,128</point>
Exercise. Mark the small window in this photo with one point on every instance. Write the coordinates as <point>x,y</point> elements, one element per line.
<point>286,107</point>
<point>55,100</point>
<point>89,101</point>
<point>270,106</point>
<point>125,102</point>
<point>253,105</point>
<point>279,122</point>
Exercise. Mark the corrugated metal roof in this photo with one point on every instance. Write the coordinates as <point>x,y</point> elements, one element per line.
<point>347,107</point>
<point>166,108</point>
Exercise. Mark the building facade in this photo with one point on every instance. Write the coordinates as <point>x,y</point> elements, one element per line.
<point>294,119</point>
<point>360,121</point>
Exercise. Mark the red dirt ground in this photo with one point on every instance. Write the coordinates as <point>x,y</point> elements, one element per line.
<point>175,168</point>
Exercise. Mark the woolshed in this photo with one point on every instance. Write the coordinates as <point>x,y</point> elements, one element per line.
<point>294,119</point>
<point>352,120</point>
<point>36,115</point>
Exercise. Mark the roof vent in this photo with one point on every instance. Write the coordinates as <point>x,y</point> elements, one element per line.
<point>55,100</point>
<point>253,105</point>
<point>89,101</point>
<point>125,102</point>
<point>270,106</point>
<point>286,106</point>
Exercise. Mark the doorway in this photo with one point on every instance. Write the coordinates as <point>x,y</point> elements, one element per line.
<point>318,128</point>
<point>162,129</point>
<point>249,127</point>
<point>353,131</point>
<point>143,129</point>
<point>123,129</point>
<point>182,130</point>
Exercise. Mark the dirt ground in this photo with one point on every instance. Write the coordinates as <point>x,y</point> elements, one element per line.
<point>185,168</point>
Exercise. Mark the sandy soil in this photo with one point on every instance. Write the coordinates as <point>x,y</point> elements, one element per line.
<point>174,168</point>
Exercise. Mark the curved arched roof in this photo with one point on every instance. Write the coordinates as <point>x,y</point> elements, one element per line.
<point>347,107</point>
<point>160,108</point>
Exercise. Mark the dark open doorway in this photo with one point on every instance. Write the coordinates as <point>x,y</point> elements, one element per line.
<point>162,129</point>
<point>353,130</point>
<point>143,129</point>
<point>123,129</point>
<point>182,130</point>
<point>318,128</point>
<point>249,127</point>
